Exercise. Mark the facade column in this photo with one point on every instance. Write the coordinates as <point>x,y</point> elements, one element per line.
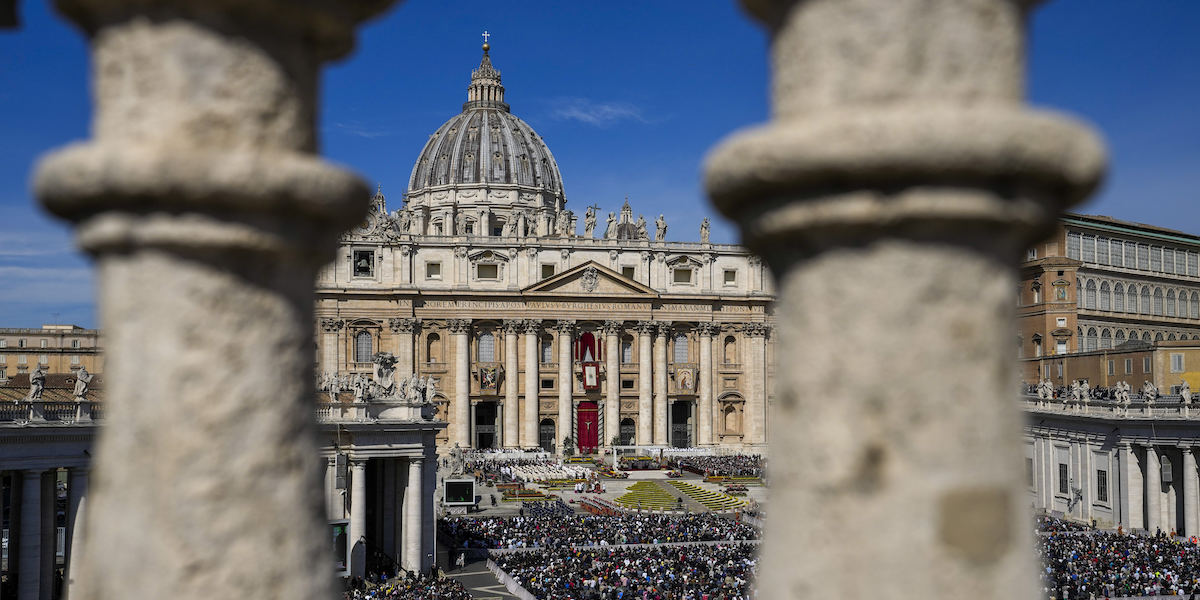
<point>405,330</point>
<point>566,385</point>
<point>406,497</point>
<point>660,383</point>
<point>414,504</point>
<point>612,381</point>
<point>331,345</point>
<point>1191,518</point>
<point>645,424</point>
<point>29,544</point>
<point>529,416</point>
<point>756,376</point>
<point>461,427</point>
<point>77,485</point>
<point>512,410</point>
<point>704,412</point>
<point>1153,489</point>
<point>876,172</point>
<point>208,213</point>
<point>358,517</point>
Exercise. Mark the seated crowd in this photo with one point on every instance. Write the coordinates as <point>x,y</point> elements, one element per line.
<point>737,465</point>
<point>1079,562</point>
<point>409,587</point>
<point>592,530</point>
<point>710,572</point>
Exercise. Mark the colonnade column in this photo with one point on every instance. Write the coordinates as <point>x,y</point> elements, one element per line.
<point>512,409</point>
<point>1131,488</point>
<point>704,412</point>
<point>645,425</point>
<point>460,329</point>
<point>406,331</point>
<point>209,214</point>
<point>413,509</point>
<point>29,544</point>
<point>358,517</point>
<point>1153,489</point>
<point>878,172</point>
<point>612,381</point>
<point>565,384</point>
<point>529,415</point>
<point>660,383</point>
<point>77,485</point>
<point>1190,516</point>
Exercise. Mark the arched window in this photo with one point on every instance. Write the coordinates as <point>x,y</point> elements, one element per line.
<point>1146,336</point>
<point>547,349</point>
<point>1132,297</point>
<point>627,349</point>
<point>681,348</point>
<point>362,347</point>
<point>730,354</point>
<point>1145,305</point>
<point>1170,303</point>
<point>1171,337</point>
<point>433,348</point>
<point>730,420</point>
<point>1105,297</point>
<point>1090,295</point>
<point>487,347</point>
<point>1195,337</point>
<point>1091,339</point>
<point>1105,339</point>
<point>1119,298</point>
<point>1158,301</point>
<point>1158,337</point>
<point>1120,338</point>
<point>1195,305</point>
<point>1080,342</point>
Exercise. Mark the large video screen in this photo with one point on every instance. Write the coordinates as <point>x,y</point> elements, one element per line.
<point>458,492</point>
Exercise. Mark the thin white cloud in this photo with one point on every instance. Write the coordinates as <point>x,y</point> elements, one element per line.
<point>361,130</point>
<point>15,244</point>
<point>599,114</point>
<point>46,285</point>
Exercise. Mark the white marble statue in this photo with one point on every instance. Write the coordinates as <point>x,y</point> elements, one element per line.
<point>1185,393</point>
<point>704,231</point>
<point>610,229</point>
<point>660,228</point>
<point>641,228</point>
<point>37,384</point>
<point>385,374</point>
<point>430,388</point>
<point>82,379</point>
<point>1076,391</point>
<point>1149,392</point>
<point>589,222</point>
<point>562,225</point>
<point>1085,391</point>
<point>404,220</point>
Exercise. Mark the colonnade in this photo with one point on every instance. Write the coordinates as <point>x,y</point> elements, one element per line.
<point>402,516</point>
<point>33,529</point>
<point>1162,500</point>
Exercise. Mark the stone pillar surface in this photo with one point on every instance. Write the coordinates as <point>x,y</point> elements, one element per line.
<point>755,427</point>
<point>406,332</point>
<point>704,410</point>
<point>645,427</point>
<point>406,497</point>
<point>77,485</point>
<point>461,426</point>
<point>414,505</point>
<point>201,196</point>
<point>1153,490</point>
<point>29,544</point>
<point>898,152</point>
<point>565,384</point>
<point>1131,488</point>
<point>358,517</point>
<point>1190,508</point>
<point>529,414</point>
<point>612,381</point>
<point>660,383</point>
<point>512,397</point>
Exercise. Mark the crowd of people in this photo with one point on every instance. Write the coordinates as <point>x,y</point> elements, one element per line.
<point>736,465</point>
<point>591,530</point>
<point>1082,563</point>
<point>709,572</point>
<point>408,587</point>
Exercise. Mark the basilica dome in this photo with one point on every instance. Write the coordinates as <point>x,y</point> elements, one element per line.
<point>486,148</point>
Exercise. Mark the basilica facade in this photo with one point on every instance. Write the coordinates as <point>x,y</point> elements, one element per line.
<point>539,326</point>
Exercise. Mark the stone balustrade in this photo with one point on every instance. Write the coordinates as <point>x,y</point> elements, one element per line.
<point>63,413</point>
<point>1164,407</point>
<point>49,412</point>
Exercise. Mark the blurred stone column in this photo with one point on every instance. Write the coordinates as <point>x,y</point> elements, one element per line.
<point>208,212</point>
<point>891,194</point>
<point>30,555</point>
<point>77,489</point>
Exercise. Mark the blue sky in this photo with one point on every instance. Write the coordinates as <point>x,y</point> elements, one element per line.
<point>628,94</point>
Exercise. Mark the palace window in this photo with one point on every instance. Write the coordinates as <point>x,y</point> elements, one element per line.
<point>1130,255</point>
<point>487,271</point>
<point>3,343</point>
<point>433,348</point>
<point>1146,361</point>
<point>433,270</point>
<point>44,343</point>
<point>682,275</point>
<point>1129,366</point>
<point>364,263</point>
<point>1143,257</point>
<point>3,358</point>
<point>362,347</point>
<point>1119,298</point>
<point>1064,486</point>
<point>628,272</point>
<point>1102,251</point>
<point>1101,485</point>
<point>547,349</point>
<point>627,384</point>
<point>22,359</point>
<point>487,347</point>
<point>1176,363</point>
<point>730,277</point>
<point>1089,248</point>
<point>681,349</point>
<point>1156,262</point>
<point>74,343</point>
<point>1145,305</point>
<point>729,356</point>
<point>43,359</point>
<point>1158,302</point>
<point>547,271</point>
<point>1105,297</point>
<point>1090,295</point>
<point>1112,368</point>
<point>627,349</point>
<point>1073,245</point>
<point>547,384</point>
<point>1170,303</point>
<point>74,359</point>
<point>1031,254</point>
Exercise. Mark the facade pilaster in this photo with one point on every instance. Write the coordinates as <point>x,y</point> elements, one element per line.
<point>405,331</point>
<point>512,329</point>
<point>1191,518</point>
<point>1153,489</point>
<point>414,514</point>
<point>880,173</point>
<point>661,335</point>
<point>756,380</point>
<point>565,385</point>
<point>358,517</point>
<point>529,415</point>
<point>612,381</point>
<point>704,408</point>
<point>29,544</point>
<point>645,427</point>
<point>462,425</point>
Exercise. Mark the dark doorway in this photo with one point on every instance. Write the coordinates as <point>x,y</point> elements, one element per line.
<point>626,432</point>
<point>681,424</point>
<point>546,435</point>
<point>485,424</point>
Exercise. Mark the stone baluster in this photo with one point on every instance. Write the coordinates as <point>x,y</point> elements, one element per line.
<point>209,214</point>
<point>891,193</point>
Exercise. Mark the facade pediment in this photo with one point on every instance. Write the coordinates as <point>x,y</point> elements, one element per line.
<point>589,279</point>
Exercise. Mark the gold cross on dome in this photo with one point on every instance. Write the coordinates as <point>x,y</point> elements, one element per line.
<point>486,35</point>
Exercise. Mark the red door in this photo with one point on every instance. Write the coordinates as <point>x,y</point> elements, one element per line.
<point>587,422</point>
